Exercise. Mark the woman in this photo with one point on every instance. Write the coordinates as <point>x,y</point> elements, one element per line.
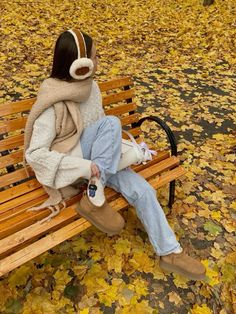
<point>69,138</point>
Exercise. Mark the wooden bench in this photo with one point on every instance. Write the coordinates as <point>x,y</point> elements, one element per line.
<point>21,238</point>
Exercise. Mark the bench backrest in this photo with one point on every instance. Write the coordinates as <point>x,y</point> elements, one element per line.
<point>117,100</point>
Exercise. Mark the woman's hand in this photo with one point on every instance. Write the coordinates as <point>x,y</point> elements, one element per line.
<point>95,170</point>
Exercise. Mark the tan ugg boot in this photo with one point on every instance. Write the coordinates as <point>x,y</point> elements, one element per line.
<point>103,217</point>
<point>183,264</point>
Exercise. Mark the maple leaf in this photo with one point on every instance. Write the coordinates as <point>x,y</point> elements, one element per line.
<point>139,308</point>
<point>175,298</point>
<point>212,228</point>
<point>202,309</point>
<point>211,274</point>
<point>142,262</point>
<point>20,276</point>
<point>122,246</point>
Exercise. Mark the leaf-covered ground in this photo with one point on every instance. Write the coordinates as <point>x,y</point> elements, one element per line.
<point>182,58</point>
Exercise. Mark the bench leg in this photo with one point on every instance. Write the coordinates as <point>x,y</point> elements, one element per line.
<point>171,194</point>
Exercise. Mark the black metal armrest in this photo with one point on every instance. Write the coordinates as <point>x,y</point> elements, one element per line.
<point>166,128</point>
<point>173,145</point>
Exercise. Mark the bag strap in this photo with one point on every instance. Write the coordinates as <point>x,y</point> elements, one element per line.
<point>133,140</point>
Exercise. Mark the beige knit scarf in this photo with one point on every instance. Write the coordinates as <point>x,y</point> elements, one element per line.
<point>64,96</point>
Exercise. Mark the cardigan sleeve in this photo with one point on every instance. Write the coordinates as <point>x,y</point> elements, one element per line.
<point>52,168</point>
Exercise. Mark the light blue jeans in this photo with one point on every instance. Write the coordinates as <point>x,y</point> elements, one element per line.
<point>101,143</point>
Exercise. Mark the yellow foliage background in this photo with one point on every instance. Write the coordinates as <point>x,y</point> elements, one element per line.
<point>182,58</point>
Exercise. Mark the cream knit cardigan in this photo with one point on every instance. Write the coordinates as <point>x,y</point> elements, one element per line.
<point>64,97</point>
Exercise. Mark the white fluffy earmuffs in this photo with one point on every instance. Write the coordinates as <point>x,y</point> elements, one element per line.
<point>82,67</point>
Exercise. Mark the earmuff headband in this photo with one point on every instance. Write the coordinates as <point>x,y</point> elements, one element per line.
<point>80,43</point>
<point>83,66</point>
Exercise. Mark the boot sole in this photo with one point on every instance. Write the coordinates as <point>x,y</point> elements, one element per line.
<point>108,231</point>
<point>180,271</point>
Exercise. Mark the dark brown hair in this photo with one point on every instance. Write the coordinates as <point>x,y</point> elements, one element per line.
<point>65,53</point>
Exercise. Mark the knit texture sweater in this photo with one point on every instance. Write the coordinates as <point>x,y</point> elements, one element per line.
<point>52,145</point>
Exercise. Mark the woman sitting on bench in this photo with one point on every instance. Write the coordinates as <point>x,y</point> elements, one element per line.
<point>68,138</point>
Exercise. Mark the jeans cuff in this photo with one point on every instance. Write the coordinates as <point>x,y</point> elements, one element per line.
<point>169,251</point>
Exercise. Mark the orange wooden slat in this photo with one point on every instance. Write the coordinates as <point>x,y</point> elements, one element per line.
<point>121,109</point>
<point>12,125</point>
<point>135,132</point>
<point>15,176</point>
<point>22,199</point>
<point>11,159</point>
<point>12,142</point>
<point>17,218</point>
<point>117,83</point>
<point>15,107</point>
<point>18,190</point>
<point>159,167</point>
<point>167,177</point>
<point>130,119</point>
<point>15,213</point>
<point>116,97</point>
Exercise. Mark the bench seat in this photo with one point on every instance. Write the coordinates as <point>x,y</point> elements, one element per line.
<point>21,237</point>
